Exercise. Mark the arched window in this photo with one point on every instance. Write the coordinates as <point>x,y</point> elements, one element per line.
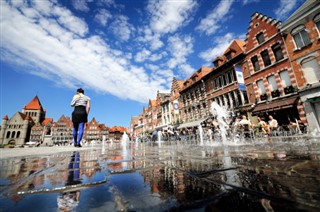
<point>18,134</point>
<point>8,134</point>
<point>13,134</point>
<point>300,36</point>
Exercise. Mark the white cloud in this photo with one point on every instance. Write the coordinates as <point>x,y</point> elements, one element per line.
<point>283,11</point>
<point>249,1</point>
<point>180,47</point>
<point>51,48</point>
<point>217,15</point>
<point>121,28</point>
<point>102,16</point>
<point>220,45</point>
<point>142,55</point>
<point>168,16</point>
<point>80,5</point>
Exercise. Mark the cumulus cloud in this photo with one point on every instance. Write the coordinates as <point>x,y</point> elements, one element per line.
<point>121,28</point>
<point>220,45</point>
<point>80,5</point>
<point>168,16</point>
<point>102,16</point>
<point>284,9</point>
<point>68,56</point>
<point>180,47</point>
<point>212,22</point>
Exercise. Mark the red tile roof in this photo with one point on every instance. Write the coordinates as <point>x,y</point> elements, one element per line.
<point>118,128</point>
<point>34,104</point>
<point>47,120</point>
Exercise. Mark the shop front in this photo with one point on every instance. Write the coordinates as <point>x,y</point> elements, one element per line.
<point>284,110</point>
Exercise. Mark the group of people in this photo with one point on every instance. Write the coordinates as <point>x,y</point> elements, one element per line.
<point>262,126</point>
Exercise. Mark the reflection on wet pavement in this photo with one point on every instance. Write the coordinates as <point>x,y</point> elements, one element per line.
<point>262,176</point>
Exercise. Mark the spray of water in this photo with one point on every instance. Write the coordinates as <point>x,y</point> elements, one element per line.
<point>221,115</point>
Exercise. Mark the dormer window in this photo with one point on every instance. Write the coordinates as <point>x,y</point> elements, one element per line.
<point>229,55</point>
<point>300,36</point>
<point>216,63</point>
<point>260,38</point>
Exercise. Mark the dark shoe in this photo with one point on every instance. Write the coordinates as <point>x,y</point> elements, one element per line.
<point>75,145</point>
<point>79,145</point>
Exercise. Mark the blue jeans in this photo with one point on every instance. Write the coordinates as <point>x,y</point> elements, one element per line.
<point>78,129</point>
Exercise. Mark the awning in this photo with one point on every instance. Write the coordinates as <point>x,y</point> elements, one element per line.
<point>275,105</point>
<point>192,124</point>
<point>315,99</point>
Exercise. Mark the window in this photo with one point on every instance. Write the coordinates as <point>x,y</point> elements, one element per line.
<point>273,86</point>
<point>262,89</point>
<point>285,78</point>
<point>216,63</point>
<point>229,56</point>
<point>311,70</point>
<point>255,63</point>
<point>231,76</point>
<point>272,83</point>
<point>286,82</point>
<point>265,58</point>
<point>260,38</point>
<point>8,134</point>
<point>277,51</point>
<point>300,36</point>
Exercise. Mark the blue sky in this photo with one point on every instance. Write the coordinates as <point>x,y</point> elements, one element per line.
<point>121,52</point>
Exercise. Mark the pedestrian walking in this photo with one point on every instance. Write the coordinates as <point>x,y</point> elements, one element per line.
<point>81,104</point>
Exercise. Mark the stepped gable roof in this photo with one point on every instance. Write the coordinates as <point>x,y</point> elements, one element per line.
<point>118,129</point>
<point>47,120</point>
<point>5,117</point>
<point>255,19</point>
<point>34,104</point>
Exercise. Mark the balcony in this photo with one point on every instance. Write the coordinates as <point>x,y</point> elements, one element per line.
<point>289,89</point>
<point>275,93</point>
<point>263,97</point>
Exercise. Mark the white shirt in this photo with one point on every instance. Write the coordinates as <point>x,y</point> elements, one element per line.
<point>79,100</point>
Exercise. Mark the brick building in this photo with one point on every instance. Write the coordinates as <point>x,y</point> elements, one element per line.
<point>269,75</point>
<point>301,32</point>
<point>221,83</point>
<point>194,107</point>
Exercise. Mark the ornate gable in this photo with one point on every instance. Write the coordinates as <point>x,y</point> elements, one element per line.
<point>260,24</point>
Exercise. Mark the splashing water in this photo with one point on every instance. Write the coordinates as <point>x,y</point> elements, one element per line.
<point>200,134</point>
<point>221,116</point>
<point>124,139</point>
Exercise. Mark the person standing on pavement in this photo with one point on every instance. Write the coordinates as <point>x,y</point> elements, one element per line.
<point>81,104</point>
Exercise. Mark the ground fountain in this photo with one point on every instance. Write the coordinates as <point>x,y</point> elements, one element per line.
<point>277,173</point>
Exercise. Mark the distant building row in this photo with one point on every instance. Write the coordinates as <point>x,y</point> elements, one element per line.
<point>31,124</point>
<point>274,71</point>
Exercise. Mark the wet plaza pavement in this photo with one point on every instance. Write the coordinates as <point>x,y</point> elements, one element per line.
<point>278,174</point>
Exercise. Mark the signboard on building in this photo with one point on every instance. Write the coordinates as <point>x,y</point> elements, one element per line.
<point>176,106</point>
<point>240,78</point>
